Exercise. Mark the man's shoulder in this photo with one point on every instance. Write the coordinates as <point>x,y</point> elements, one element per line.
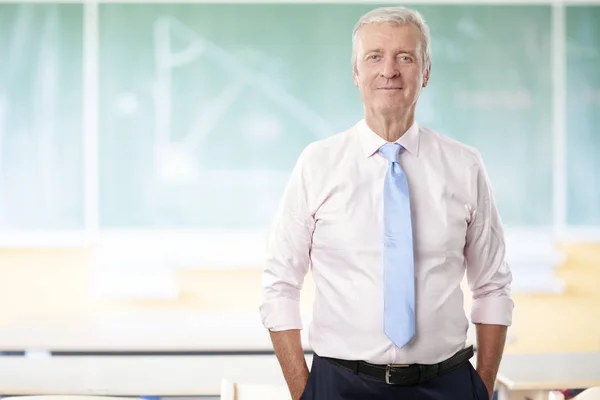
<point>328,147</point>
<point>449,145</point>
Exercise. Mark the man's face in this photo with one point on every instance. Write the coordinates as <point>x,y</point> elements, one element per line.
<point>389,69</point>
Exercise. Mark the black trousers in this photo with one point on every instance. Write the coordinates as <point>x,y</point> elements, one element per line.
<point>328,381</point>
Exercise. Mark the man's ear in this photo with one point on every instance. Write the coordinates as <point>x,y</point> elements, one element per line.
<point>354,77</point>
<point>426,75</point>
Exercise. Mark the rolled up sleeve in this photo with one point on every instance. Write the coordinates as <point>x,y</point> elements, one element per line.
<point>489,276</point>
<point>288,248</point>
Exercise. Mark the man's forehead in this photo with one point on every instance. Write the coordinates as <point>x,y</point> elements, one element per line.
<point>385,31</point>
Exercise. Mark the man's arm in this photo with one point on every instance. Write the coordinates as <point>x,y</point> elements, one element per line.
<point>288,348</point>
<point>489,278</point>
<point>288,260</point>
<point>490,346</point>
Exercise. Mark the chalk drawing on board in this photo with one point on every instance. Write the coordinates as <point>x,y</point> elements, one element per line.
<point>242,77</point>
<point>263,127</point>
<point>166,59</point>
<point>209,115</point>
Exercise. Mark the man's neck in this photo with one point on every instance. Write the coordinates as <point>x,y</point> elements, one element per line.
<point>390,127</point>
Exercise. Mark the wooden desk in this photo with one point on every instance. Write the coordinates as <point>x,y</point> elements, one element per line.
<point>134,376</point>
<point>533,376</point>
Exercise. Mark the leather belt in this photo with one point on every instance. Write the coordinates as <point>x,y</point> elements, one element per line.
<point>405,374</point>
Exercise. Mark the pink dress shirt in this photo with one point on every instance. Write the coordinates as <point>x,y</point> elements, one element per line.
<point>330,220</point>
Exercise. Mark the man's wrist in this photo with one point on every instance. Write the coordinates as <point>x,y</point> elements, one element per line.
<point>489,379</point>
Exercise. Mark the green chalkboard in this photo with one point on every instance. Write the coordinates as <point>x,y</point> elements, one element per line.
<point>583,115</point>
<point>204,108</point>
<point>41,97</point>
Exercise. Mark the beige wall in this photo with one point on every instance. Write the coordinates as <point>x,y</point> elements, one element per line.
<point>55,285</point>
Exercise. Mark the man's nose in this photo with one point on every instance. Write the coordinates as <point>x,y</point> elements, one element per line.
<point>389,69</point>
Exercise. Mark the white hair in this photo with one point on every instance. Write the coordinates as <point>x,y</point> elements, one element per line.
<point>395,15</point>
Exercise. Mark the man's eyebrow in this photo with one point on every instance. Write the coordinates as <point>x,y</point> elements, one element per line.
<point>378,50</point>
<point>406,51</point>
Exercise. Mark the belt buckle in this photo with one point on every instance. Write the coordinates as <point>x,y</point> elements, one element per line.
<point>388,370</point>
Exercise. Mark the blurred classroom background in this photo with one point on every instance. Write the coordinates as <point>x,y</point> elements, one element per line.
<point>144,147</point>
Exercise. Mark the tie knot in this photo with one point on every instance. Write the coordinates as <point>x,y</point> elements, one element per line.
<point>390,151</point>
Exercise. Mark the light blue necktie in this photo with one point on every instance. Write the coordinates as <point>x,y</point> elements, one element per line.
<point>398,254</point>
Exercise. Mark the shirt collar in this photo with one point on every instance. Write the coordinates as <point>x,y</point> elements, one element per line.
<point>371,142</point>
